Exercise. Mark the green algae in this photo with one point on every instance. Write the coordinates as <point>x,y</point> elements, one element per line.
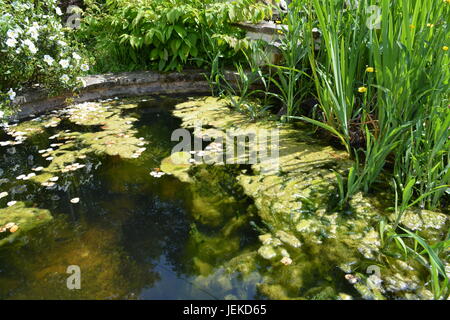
<point>296,204</point>
<point>178,165</point>
<point>295,210</point>
<point>104,130</point>
<point>24,217</point>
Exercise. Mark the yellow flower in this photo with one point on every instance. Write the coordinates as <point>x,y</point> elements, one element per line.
<point>278,22</point>
<point>362,89</point>
<point>445,48</point>
<point>412,26</point>
<point>370,69</point>
<point>430,25</point>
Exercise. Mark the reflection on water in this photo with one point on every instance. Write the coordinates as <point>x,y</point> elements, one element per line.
<point>134,236</point>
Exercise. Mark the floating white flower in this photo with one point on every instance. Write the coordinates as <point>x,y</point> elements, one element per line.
<point>75,200</point>
<point>65,78</point>
<point>64,63</point>
<point>58,11</point>
<point>11,203</point>
<point>11,42</point>
<point>84,67</point>
<point>49,60</point>
<point>157,174</point>
<point>3,194</point>
<point>29,176</point>
<point>286,261</point>
<point>11,94</point>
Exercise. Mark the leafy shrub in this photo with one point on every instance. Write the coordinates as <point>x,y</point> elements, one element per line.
<point>164,34</point>
<point>36,50</point>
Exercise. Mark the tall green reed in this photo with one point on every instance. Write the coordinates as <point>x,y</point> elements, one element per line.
<point>290,79</point>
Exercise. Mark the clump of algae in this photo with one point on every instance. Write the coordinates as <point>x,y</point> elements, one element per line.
<point>22,216</point>
<point>103,129</point>
<point>98,128</point>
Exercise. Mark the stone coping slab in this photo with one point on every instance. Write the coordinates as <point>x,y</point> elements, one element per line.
<point>110,85</point>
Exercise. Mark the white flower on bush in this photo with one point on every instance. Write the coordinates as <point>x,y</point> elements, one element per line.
<point>33,32</point>
<point>2,114</point>
<point>62,43</point>
<point>65,78</point>
<point>30,46</point>
<point>76,56</point>
<point>11,42</point>
<point>84,67</point>
<point>11,94</point>
<point>64,63</point>
<point>5,17</point>
<point>58,11</point>
<point>49,60</point>
<point>13,33</point>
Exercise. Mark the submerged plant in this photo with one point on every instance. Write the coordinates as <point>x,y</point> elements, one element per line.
<point>430,256</point>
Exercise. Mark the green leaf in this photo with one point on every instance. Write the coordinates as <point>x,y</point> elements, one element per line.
<point>180,30</point>
<point>154,54</point>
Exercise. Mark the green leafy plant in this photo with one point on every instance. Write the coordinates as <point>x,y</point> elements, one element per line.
<point>164,34</point>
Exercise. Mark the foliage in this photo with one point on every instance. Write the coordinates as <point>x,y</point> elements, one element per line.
<point>164,34</point>
<point>35,49</point>
<point>382,81</point>
<point>291,78</point>
<point>431,256</point>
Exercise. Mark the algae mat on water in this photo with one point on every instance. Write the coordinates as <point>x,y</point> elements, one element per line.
<point>304,237</point>
<point>307,249</point>
<point>114,135</point>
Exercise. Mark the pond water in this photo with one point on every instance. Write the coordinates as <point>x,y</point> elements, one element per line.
<point>133,235</point>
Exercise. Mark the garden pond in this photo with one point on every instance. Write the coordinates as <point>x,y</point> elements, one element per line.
<point>92,185</point>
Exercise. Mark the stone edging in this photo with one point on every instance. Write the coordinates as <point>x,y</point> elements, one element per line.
<point>124,84</point>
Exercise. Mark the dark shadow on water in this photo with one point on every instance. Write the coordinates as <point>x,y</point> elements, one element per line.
<point>133,236</point>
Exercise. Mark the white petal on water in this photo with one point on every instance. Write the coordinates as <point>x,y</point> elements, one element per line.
<point>11,203</point>
<point>3,194</point>
<point>75,200</point>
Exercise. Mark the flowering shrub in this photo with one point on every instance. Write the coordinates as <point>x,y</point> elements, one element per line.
<point>35,50</point>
